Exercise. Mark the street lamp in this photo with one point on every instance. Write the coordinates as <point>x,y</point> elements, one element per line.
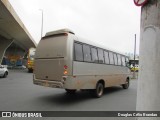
<point>41,23</point>
<point>134,74</point>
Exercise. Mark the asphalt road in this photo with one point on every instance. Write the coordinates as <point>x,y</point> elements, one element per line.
<point>18,93</point>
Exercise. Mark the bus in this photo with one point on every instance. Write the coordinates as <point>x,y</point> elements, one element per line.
<point>63,60</point>
<point>30,59</point>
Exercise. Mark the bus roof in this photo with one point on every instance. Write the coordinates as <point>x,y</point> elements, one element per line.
<point>59,32</point>
<point>80,39</point>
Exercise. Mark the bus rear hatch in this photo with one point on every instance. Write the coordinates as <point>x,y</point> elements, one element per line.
<point>49,58</point>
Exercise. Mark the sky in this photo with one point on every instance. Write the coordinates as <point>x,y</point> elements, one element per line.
<point>112,23</point>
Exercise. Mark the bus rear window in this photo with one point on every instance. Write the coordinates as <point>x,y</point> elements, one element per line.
<point>52,47</point>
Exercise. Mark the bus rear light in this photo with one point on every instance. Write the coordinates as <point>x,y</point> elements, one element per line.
<point>65,67</point>
<point>65,72</point>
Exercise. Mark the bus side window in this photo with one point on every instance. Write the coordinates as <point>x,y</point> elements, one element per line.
<point>127,62</point>
<point>123,61</point>
<point>119,59</point>
<point>115,59</point>
<point>111,58</point>
<point>94,55</point>
<point>106,57</point>
<point>78,53</point>
<point>87,53</point>
<point>100,55</point>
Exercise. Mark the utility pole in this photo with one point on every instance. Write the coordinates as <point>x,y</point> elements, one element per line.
<point>148,96</point>
<point>41,23</point>
<point>134,74</point>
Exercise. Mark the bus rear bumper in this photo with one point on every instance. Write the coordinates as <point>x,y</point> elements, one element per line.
<point>47,83</point>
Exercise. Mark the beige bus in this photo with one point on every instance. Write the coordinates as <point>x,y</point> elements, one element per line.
<point>63,60</point>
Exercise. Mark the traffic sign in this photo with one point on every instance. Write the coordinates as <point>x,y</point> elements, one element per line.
<point>140,2</point>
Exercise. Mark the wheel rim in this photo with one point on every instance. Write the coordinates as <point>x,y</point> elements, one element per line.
<point>127,83</point>
<point>100,90</point>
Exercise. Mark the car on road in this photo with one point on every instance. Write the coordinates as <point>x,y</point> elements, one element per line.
<point>3,71</point>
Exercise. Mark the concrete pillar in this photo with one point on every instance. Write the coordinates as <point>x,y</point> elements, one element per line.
<point>15,53</point>
<point>4,44</point>
<point>148,96</point>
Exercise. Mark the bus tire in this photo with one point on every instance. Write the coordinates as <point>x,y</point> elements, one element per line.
<point>98,92</point>
<point>30,70</point>
<point>70,91</point>
<point>126,85</point>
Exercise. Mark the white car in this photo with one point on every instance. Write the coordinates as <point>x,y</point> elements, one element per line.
<point>3,71</point>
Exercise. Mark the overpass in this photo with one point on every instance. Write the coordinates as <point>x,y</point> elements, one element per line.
<point>15,40</point>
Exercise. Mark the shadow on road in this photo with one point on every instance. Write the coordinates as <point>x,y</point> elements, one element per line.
<point>79,96</point>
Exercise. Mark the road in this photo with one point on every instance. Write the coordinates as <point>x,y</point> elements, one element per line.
<point>18,93</point>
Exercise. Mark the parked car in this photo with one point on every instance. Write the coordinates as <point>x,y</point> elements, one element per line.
<point>3,71</point>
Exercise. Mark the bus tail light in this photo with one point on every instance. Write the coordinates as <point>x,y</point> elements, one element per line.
<point>65,72</point>
<point>65,69</point>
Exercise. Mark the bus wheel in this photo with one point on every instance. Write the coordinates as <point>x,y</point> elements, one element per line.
<point>98,92</point>
<point>70,91</point>
<point>30,70</point>
<point>126,85</point>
